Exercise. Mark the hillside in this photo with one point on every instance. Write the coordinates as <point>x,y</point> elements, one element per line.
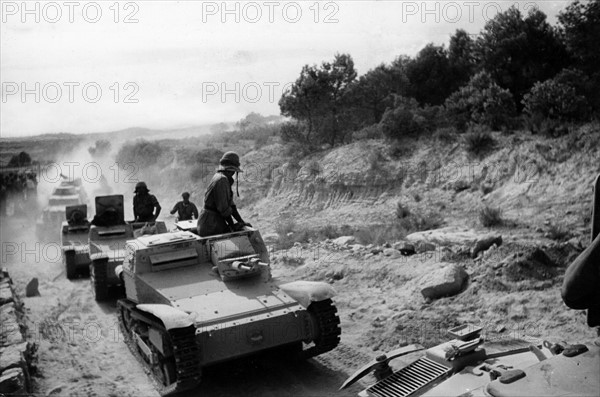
<point>532,179</point>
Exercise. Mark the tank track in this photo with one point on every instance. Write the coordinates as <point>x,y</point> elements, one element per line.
<point>183,343</point>
<point>328,325</point>
<point>98,278</point>
<point>70,265</point>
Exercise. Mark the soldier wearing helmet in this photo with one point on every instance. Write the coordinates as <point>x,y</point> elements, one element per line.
<point>144,204</point>
<point>219,212</point>
<point>186,210</point>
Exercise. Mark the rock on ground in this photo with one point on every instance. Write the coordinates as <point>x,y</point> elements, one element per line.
<point>392,253</point>
<point>405,248</point>
<point>444,236</point>
<point>447,281</point>
<point>344,240</point>
<point>484,243</point>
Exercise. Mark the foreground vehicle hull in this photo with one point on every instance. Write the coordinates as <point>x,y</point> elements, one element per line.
<point>217,293</point>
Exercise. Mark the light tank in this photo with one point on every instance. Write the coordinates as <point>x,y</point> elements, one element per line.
<point>74,240</point>
<point>108,235</point>
<point>192,302</point>
<point>468,366</point>
<point>68,193</point>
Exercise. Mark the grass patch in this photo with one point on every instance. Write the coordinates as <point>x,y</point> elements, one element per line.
<point>558,232</point>
<point>478,142</point>
<point>490,216</point>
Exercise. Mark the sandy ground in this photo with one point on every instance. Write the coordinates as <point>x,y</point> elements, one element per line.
<point>82,353</point>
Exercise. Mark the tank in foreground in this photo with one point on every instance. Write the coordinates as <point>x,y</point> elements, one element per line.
<point>192,302</point>
<point>468,366</point>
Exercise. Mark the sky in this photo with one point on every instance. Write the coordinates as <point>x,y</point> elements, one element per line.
<point>81,67</point>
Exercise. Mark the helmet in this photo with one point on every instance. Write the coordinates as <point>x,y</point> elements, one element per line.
<point>230,162</point>
<point>141,186</point>
<point>185,195</point>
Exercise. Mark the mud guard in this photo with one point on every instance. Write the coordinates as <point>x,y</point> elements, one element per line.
<point>305,292</point>
<point>170,316</point>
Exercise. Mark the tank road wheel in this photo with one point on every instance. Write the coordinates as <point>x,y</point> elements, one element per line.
<point>70,264</point>
<point>98,278</point>
<point>327,322</point>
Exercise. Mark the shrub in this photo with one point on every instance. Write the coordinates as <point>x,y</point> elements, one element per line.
<point>555,100</point>
<point>558,232</point>
<point>478,141</point>
<point>144,154</point>
<point>379,234</point>
<point>205,163</point>
<point>100,148</point>
<point>291,132</point>
<point>427,219</point>
<point>370,132</point>
<point>445,134</point>
<point>489,216</point>
<point>481,101</point>
<point>19,160</point>
<point>401,211</point>
<point>403,120</point>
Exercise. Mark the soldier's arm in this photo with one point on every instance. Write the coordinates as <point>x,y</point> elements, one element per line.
<point>582,279</point>
<point>157,206</point>
<point>236,215</point>
<point>135,214</point>
<point>175,208</point>
<point>194,211</point>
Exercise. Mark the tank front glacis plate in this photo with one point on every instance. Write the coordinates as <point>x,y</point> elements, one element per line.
<point>233,339</point>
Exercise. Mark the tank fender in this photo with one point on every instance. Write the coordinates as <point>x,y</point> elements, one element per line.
<point>306,292</point>
<point>119,271</point>
<point>170,316</point>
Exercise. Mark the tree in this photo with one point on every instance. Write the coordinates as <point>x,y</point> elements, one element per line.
<point>374,91</point>
<point>519,52</point>
<point>319,100</point>
<point>462,58</point>
<point>100,148</point>
<point>580,27</point>
<point>20,160</point>
<point>430,75</point>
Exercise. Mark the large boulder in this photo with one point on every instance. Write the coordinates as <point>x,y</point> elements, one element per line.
<point>344,240</point>
<point>445,236</point>
<point>446,281</point>
<point>454,236</point>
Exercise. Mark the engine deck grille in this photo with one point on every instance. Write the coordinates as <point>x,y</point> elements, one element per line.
<point>409,379</point>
